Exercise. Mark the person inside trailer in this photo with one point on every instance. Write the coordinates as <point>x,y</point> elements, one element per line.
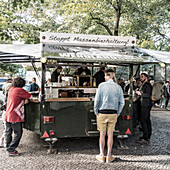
<point>83,71</point>
<point>55,74</point>
<point>99,76</point>
<point>121,83</point>
<point>48,82</point>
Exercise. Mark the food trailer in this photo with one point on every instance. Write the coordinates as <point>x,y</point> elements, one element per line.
<point>65,109</point>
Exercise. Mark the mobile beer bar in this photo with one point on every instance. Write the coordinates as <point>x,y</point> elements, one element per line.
<point>66,109</point>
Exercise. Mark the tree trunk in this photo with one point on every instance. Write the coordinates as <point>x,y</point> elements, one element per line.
<point>118,15</point>
<point>116,30</point>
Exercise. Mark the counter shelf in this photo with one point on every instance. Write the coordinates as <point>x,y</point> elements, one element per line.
<point>34,100</point>
<point>77,76</point>
<point>68,99</point>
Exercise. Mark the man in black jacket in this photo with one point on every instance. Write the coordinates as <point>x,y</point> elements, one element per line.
<point>84,80</point>
<point>99,76</point>
<point>146,105</point>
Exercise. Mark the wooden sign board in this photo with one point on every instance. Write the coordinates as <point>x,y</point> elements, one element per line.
<point>86,40</point>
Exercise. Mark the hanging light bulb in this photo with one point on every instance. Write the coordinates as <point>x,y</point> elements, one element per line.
<point>162,65</point>
<point>43,60</point>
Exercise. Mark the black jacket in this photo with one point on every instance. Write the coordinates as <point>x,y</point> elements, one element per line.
<point>54,77</point>
<point>82,71</point>
<point>146,95</point>
<point>99,77</point>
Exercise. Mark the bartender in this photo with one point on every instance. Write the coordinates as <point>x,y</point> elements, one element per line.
<point>55,74</point>
<point>99,76</point>
<point>84,81</point>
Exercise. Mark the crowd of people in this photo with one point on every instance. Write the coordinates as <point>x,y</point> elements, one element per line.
<point>161,88</point>
<point>109,101</point>
<point>108,104</point>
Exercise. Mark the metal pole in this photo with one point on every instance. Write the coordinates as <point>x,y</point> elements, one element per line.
<point>154,72</point>
<point>131,80</point>
<point>137,74</point>
<point>165,72</point>
<point>43,69</point>
<point>92,76</point>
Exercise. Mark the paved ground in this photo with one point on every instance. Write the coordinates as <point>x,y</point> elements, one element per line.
<point>80,153</point>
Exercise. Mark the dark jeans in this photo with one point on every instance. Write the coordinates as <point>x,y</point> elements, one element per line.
<point>17,128</point>
<point>137,112</point>
<point>146,122</point>
<point>167,101</point>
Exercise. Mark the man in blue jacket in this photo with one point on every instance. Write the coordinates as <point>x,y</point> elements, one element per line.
<point>109,102</point>
<point>33,87</point>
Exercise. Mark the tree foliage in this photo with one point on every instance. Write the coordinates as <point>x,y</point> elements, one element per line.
<point>11,69</point>
<point>147,20</point>
<point>23,20</point>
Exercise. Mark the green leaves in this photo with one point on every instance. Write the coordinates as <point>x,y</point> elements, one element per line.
<point>147,20</point>
<point>8,68</point>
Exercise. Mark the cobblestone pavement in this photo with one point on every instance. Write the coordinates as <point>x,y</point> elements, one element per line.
<point>77,154</point>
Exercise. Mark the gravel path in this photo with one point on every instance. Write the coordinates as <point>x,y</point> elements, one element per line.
<point>79,153</point>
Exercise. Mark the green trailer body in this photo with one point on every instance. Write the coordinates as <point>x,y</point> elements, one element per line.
<point>32,117</point>
<point>71,119</point>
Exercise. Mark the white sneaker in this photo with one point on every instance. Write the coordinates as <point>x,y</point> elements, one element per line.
<point>110,160</point>
<point>100,158</point>
<point>5,144</point>
<point>1,142</point>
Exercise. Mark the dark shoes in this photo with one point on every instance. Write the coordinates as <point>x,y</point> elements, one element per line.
<point>142,141</point>
<point>14,153</point>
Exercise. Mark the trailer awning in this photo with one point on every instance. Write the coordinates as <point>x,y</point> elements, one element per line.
<point>19,53</point>
<point>27,53</point>
<point>162,56</point>
<point>89,54</point>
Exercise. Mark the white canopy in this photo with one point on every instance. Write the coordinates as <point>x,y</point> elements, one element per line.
<point>21,49</point>
<point>162,56</point>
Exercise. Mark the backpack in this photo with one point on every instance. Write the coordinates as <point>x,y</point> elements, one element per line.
<point>157,90</point>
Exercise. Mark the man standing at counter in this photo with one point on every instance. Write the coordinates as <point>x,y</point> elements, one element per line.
<point>33,87</point>
<point>14,115</point>
<point>109,102</point>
